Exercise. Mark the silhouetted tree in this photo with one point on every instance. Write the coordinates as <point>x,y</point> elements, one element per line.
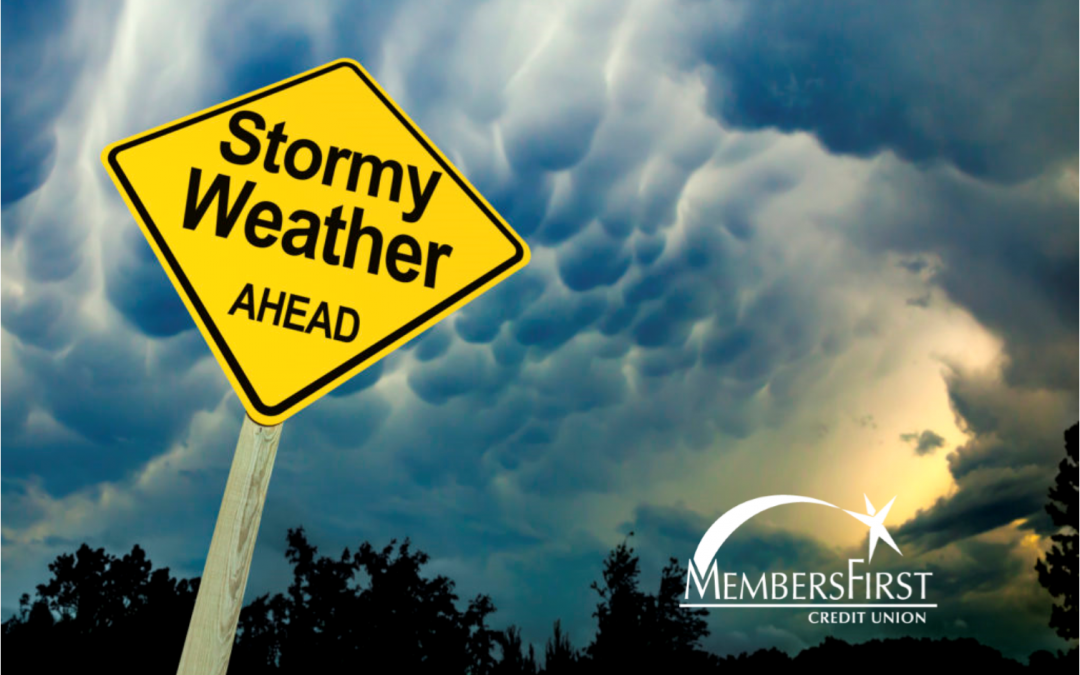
<point>620,614</point>
<point>258,636</point>
<point>100,608</point>
<point>904,655</point>
<point>763,660</point>
<point>514,661</point>
<point>559,655</point>
<point>329,618</point>
<point>676,631</point>
<point>635,628</point>
<point>1057,572</point>
<point>1045,661</point>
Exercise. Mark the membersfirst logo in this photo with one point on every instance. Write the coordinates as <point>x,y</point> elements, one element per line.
<point>853,588</point>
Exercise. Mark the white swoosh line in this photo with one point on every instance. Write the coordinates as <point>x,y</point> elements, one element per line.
<point>718,533</point>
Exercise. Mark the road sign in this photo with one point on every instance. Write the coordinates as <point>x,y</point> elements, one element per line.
<point>311,228</point>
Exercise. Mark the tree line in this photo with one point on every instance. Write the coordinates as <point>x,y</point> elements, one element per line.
<point>374,608</point>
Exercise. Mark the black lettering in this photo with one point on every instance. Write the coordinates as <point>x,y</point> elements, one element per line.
<point>394,256</point>
<point>276,137</point>
<point>254,220</point>
<point>334,224</point>
<point>244,135</point>
<point>290,159</point>
<point>310,235</point>
<point>332,158</point>
<point>377,168</point>
<point>219,189</point>
<point>420,197</point>
<point>320,319</point>
<point>291,310</point>
<point>355,232</point>
<point>249,304</point>
<point>434,252</point>
<point>276,306</point>
<point>342,312</point>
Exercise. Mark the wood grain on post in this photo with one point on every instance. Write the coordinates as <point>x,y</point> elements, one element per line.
<point>221,592</point>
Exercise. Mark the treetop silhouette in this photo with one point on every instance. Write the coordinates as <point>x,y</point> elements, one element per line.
<point>1057,571</point>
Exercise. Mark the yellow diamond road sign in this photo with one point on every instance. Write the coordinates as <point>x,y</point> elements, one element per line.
<point>311,229</point>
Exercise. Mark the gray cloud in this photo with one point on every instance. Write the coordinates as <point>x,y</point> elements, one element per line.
<point>925,443</point>
<point>988,500</point>
<point>1017,285</point>
<point>984,86</point>
<point>38,71</point>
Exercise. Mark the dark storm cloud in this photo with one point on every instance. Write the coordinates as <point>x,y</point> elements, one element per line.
<point>41,317</point>
<point>986,501</point>
<point>138,287</point>
<point>554,320</point>
<point>367,378</point>
<point>555,130</point>
<point>37,76</point>
<point>987,86</point>
<point>433,343</point>
<point>468,370</point>
<point>573,213</point>
<point>1008,255</point>
<point>523,200</point>
<point>1003,471</point>
<point>925,443</point>
<point>68,461</point>
<point>255,47</point>
<point>51,241</point>
<point>480,322</point>
<point>89,389</point>
<point>999,442</point>
<point>922,301</point>
<point>116,406</point>
<point>346,424</point>
<point>556,135</point>
<point>257,53</point>
<point>596,259</point>
<point>751,549</point>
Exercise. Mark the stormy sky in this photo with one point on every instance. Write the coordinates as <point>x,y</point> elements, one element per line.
<point>822,249</point>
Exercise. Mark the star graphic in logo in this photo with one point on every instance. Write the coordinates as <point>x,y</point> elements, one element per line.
<point>876,524</point>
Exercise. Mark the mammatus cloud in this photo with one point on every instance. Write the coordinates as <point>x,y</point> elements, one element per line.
<point>35,87</point>
<point>927,82</point>
<point>925,443</point>
<point>724,257</point>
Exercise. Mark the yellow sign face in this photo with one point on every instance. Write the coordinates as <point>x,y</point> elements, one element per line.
<point>311,229</point>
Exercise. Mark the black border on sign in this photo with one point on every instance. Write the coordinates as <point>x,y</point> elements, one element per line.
<point>373,350</point>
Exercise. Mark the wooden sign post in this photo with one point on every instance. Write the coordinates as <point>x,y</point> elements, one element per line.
<point>311,229</point>
<point>221,592</point>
